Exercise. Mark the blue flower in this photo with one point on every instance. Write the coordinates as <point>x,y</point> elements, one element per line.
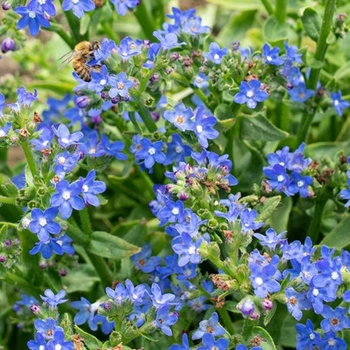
<point>67,198</point>
<point>107,46</point>
<point>45,6</point>
<point>300,183</point>
<point>78,6</point>
<point>150,153</point>
<point>144,261</point>
<point>164,319</point>
<point>176,150</point>
<point>193,26</point>
<point>168,41</point>
<point>203,127</point>
<point>42,223</point>
<point>2,104</point>
<point>278,178</point>
<point>264,278</point>
<point>25,98</point>
<point>270,239</point>
<point>271,55</point>
<point>300,93</point>
<point>171,212</point>
<point>120,85</point>
<point>119,294</point>
<point>209,326</point>
<point>345,194</point>
<point>47,328</point>
<point>180,116</point>
<point>215,54</point>
<point>187,249</point>
<point>86,312</point>
<point>106,326</point>
<point>296,302</point>
<point>32,18</point>
<point>159,299</point>
<point>39,344</point>
<point>307,338</point>
<point>128,48</point>
<point>4,130</point>
<point>65,138</point>
<point>201,81</point>
<point>113,149</point>
<point>122,6</point>
<point>185,345</point>
<point>54,299</point>
<point>47,248</point>
<point>250,93</point>
<point>334,320</point>
<point>332,342</point>
<point>292,55</point>
<point>248,222</point>
<point>338,103</point>
<point>99,80</point>
<point>90,188</point>
<point>58,342</point>
<point>210,343</point>
<point>65,162</point>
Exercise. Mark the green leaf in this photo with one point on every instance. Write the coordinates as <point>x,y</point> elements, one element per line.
<point>280,216</point>
<point>312,23</point>
<point>89,340</point>
<point>270,314</point>
<point>258,128</point>
<point>274,31</point>
<point>267,342</point>
<point>108,246</point>
<point>81,280</point>
<point>84,24</point>
<point>339,237</point>
<point>269,205</point>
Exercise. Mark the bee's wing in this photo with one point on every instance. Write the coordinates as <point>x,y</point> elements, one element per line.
<point>66,58</point>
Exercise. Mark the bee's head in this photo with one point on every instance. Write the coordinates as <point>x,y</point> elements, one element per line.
<point>95,45</point>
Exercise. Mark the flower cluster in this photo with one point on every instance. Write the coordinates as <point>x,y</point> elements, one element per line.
<point>285,172</point>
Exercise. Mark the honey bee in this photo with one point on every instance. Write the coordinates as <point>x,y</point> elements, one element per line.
<point>82,54</point>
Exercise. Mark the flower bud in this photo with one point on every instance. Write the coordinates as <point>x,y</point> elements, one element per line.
<point>247,308</point>
<point>82,101</point>
<point>8,45</point>
<point>267,304</point>
<point>6,6</point>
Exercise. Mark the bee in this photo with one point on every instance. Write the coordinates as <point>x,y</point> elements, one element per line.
<point>82,54</point>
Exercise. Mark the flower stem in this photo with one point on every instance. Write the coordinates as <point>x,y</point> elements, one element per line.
<point>268,6</point>
<point>145,20</point>
<point>30,159</point>
<point>86,222</point>
<point>314,228</point>
<point>226,320</point>
<point>281,11</point>
<point>320,54</point>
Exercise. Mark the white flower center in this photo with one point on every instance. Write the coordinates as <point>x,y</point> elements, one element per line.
<point>250,93</point>
<point>175,211</point>
<point>199,128</point>
<point>152,151</point>
<point>335,275</point>
<point>42,222</point>
<point>300,183</point>
<point>32,14</point>
<point>258,281</point>
<point>269,58</point>
<point>64,140</point>
<point>75,1</point>
<point>92,150</point>
<point>191,250</point>
<point>315,292</point>
<point>280,178</point>
<point>178,149</point>
<point>336,103</point>
<point>2,133</point>
<point>42,2</point>
<point>85,188</point>
<point>216,56</point>
<point>103,82</point>
<point>61,160</point>
<point>66,195</point>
